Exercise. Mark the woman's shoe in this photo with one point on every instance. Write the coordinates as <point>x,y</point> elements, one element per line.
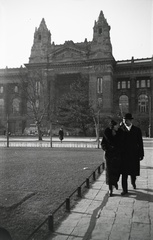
<point>110,190</point>
<point>134,186</point>
<point>110,193</point>
<point>116,186</point>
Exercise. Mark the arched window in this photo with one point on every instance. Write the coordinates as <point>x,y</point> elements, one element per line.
<point>124,103</point>
<point>16,105</point>
<point>1,105</point>
<point>143,103</point>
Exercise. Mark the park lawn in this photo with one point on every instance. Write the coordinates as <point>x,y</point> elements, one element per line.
<point>35,181</point>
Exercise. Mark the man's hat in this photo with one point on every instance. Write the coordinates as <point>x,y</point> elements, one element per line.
<point>128,116</point>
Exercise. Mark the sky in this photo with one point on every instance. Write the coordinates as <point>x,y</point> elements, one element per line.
<point>131,23</point>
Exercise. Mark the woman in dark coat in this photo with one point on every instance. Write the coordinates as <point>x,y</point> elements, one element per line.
<point>133,152</point>
<point>112,145</point>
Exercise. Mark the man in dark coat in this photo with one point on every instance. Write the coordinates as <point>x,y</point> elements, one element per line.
<point>133,152</point>
<point>61,134</point>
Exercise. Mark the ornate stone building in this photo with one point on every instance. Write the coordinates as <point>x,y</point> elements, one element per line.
<point>119,86</point>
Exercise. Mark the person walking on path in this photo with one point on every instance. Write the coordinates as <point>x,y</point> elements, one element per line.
<point>133,152</point>
<point>61,134</point>
<point>111,144</point>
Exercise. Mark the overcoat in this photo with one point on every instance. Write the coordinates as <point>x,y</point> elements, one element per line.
<point>112,145</point>
<point>132,152</point>
<point>61,134</point>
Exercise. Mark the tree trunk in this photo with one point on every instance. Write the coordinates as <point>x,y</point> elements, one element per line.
<point>96,128</point>
<point>39,133</point>
<point>40,136</point>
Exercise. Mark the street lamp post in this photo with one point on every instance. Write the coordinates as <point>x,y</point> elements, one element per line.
<point>50,109</point>
<point>7,130</point>
<point>98,120</point>
<point>98,128</point>
<point>149,130</point>
<point>51,140</point>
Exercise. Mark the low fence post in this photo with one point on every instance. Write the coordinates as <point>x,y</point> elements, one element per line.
<point>99,170</point>
<point>68,204</point>
<point>79,192</point>
<point>87,183</point>
<point>103,165</point>
<point>51,223</point>
<point>94,176</point>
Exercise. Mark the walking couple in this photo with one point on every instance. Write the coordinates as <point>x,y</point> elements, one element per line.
<point>123,146</point>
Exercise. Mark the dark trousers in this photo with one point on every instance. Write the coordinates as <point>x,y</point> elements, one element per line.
<point>125,181</point>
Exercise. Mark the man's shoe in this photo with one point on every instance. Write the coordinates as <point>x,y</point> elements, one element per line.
<point>124,193</point>
<point>134,186</point>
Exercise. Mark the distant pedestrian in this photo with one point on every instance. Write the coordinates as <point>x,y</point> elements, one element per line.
<point>61,134</point>
<point>133,152</point>
<point>112,145</point>
<point>4,234</point>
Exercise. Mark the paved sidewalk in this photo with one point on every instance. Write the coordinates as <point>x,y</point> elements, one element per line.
<point>99,217</point>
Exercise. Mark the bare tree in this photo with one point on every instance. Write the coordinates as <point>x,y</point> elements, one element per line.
<point>35,90</point>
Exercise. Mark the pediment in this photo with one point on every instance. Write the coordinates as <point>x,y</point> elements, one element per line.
<point>67,52</point>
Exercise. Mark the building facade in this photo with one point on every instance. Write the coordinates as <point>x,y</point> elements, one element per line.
<point>119,86</point>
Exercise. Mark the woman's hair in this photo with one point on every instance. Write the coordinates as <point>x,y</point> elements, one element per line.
<point>112,124</point>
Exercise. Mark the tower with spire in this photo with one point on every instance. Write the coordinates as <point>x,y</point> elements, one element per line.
<point>41,44</point>
<point>101,43</point>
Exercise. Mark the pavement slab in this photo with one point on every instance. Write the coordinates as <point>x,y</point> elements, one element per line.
<point>100,217</point>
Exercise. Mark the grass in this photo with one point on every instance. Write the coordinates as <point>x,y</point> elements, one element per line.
<point>35,181</point>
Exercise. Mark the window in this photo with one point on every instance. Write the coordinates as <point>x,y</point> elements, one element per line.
<point>16,89</point>
<point>99,85</point>
<point>100,30</point>
<point>148,83</point>
<point>143,83</point>
<point>143,103</point>
<point>1,105</point>
<point>124,103</point>
<point>1,89</point>
<point>38,88</point>
<point>16,105</point>
<point>37,103</point>
<point>123,84</point>
<point>118,85</point>
<point>137,83</point>
<point>128,84</point>
<point>39,37</point>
